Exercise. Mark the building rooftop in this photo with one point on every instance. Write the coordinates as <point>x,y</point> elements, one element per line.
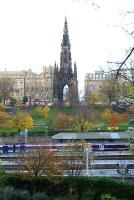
<point>93,135</point>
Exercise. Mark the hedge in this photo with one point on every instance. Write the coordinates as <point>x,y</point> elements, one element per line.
<point>80,185</point>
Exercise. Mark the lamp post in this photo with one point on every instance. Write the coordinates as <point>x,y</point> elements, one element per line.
<point>24,84</point>
<point>87,151</point>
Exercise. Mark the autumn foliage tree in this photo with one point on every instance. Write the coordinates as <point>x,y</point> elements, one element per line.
<point>112,118</point>
<point>43,111</point>
<point>94,98</point>
<point>61,121</point>
<point>2,107</point>
<point>81,123</point>
<point>81,118</point>
<point>131,108</point>
<point>124,116</point>
<point>39,162</point>
<point>4,117</point>
<point>22,120</point>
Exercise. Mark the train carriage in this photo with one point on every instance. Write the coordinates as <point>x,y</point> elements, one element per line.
<point>15,148</point>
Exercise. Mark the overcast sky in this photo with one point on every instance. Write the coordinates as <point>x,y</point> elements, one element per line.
<point>31,33</point>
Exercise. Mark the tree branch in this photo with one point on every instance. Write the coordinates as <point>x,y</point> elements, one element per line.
<point>118,70</point>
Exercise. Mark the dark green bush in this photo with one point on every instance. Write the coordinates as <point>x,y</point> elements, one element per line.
<point>9,193</point>
<point>21,195</point>
<point>90,194</point>
<point>83,187</point>
<point>6,193</point>
<point>40,196</point>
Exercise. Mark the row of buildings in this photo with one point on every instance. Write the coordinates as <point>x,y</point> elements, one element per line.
<point>95,81</point>
<point>34,86</point>
<point>41,86</point>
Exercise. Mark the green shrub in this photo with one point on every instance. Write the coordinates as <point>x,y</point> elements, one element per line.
<point>9,193</point>
<point>6,193</point>
<point>40,196</point>
<point>60,198</point>
<point>90,194</point>
<point>83,187</point>
<point>21,195</point>
<point>107,197</point>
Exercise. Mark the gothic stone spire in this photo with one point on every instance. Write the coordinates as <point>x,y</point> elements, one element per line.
<point>65,75</point>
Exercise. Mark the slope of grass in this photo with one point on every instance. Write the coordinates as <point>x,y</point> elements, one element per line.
<point>41,123</point>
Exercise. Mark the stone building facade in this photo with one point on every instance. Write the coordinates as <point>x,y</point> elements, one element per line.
<point>93,82</point>
<point>39,86</point>
<point>18,79</point>
<point>34,86</point>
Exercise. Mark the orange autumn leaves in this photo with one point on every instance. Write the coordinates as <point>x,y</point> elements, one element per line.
<point>113,118</point>
<point>75,123</point>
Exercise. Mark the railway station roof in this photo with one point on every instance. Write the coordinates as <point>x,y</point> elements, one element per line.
<point>94,135</point>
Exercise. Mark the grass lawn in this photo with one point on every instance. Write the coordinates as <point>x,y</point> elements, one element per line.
<point>40,122</point>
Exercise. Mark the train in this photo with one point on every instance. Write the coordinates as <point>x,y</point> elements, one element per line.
<point>113,146</point>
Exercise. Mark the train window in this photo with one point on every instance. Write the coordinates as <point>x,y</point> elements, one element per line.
<point>95,147</point>
<point>22,147</point>
<point>101,147</point>
<point>5,149</point>
<point>115,147</point>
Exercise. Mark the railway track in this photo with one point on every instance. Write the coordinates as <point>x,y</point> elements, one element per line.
<point>102,161</point>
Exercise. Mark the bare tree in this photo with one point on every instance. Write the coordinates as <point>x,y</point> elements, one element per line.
<point>39,162</point>
<point>73,163</point>
<point>6,87</point>
<point>110,88</point>
<point>76,160</point>
<point>84,114</point>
